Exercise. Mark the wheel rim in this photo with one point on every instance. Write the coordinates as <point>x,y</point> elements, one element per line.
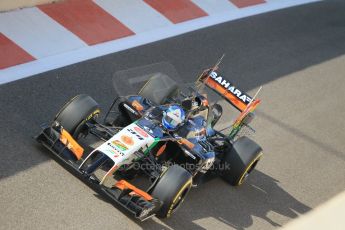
<point>249,169</point>
<point>179,198</point>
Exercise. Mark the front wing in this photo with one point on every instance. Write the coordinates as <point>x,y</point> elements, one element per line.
<point>129,197</point>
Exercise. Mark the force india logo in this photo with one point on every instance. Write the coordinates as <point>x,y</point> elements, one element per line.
<point>231,88</point>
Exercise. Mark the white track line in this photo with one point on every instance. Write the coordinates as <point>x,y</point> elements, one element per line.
<point>213,7</point>
<point>37,33</point>
<point>143,19</point>
<point>61,60</point>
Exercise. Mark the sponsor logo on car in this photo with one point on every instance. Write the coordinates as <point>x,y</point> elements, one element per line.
<point>135,134</point>
<point>114,149</point>
<point>114,153</point>
<point>120,145</point>
<point>127,140</point>
<point>140,131</point>
<point>229,87</point>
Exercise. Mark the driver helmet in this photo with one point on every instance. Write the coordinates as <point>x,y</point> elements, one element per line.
<point>173,117</point>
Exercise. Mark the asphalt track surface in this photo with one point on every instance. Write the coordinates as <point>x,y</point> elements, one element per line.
<point>297,54</point>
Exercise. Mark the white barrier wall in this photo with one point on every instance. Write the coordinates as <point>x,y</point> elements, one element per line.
<point>6,5</point>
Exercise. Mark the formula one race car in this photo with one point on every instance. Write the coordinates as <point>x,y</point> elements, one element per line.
<point>162,134</point>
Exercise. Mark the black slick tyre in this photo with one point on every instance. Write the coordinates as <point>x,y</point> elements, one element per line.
<point>171,189</point>
<point>240,160</point>
<point>76,112</point>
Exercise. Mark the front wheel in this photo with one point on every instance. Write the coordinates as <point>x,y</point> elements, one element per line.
<point>76,112</point>
<point>239,160</point>
<point>171,189</point>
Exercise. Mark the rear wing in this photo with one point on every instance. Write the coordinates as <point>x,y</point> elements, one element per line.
<point>236,97</point>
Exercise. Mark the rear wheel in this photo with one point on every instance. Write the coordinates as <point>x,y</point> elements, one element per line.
<point>158,88</point>
<point>172,188</point>
<point>76,112</point>
<point>239,160</point>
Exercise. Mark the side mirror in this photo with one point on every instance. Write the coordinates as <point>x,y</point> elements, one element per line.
<point>216,113</point>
